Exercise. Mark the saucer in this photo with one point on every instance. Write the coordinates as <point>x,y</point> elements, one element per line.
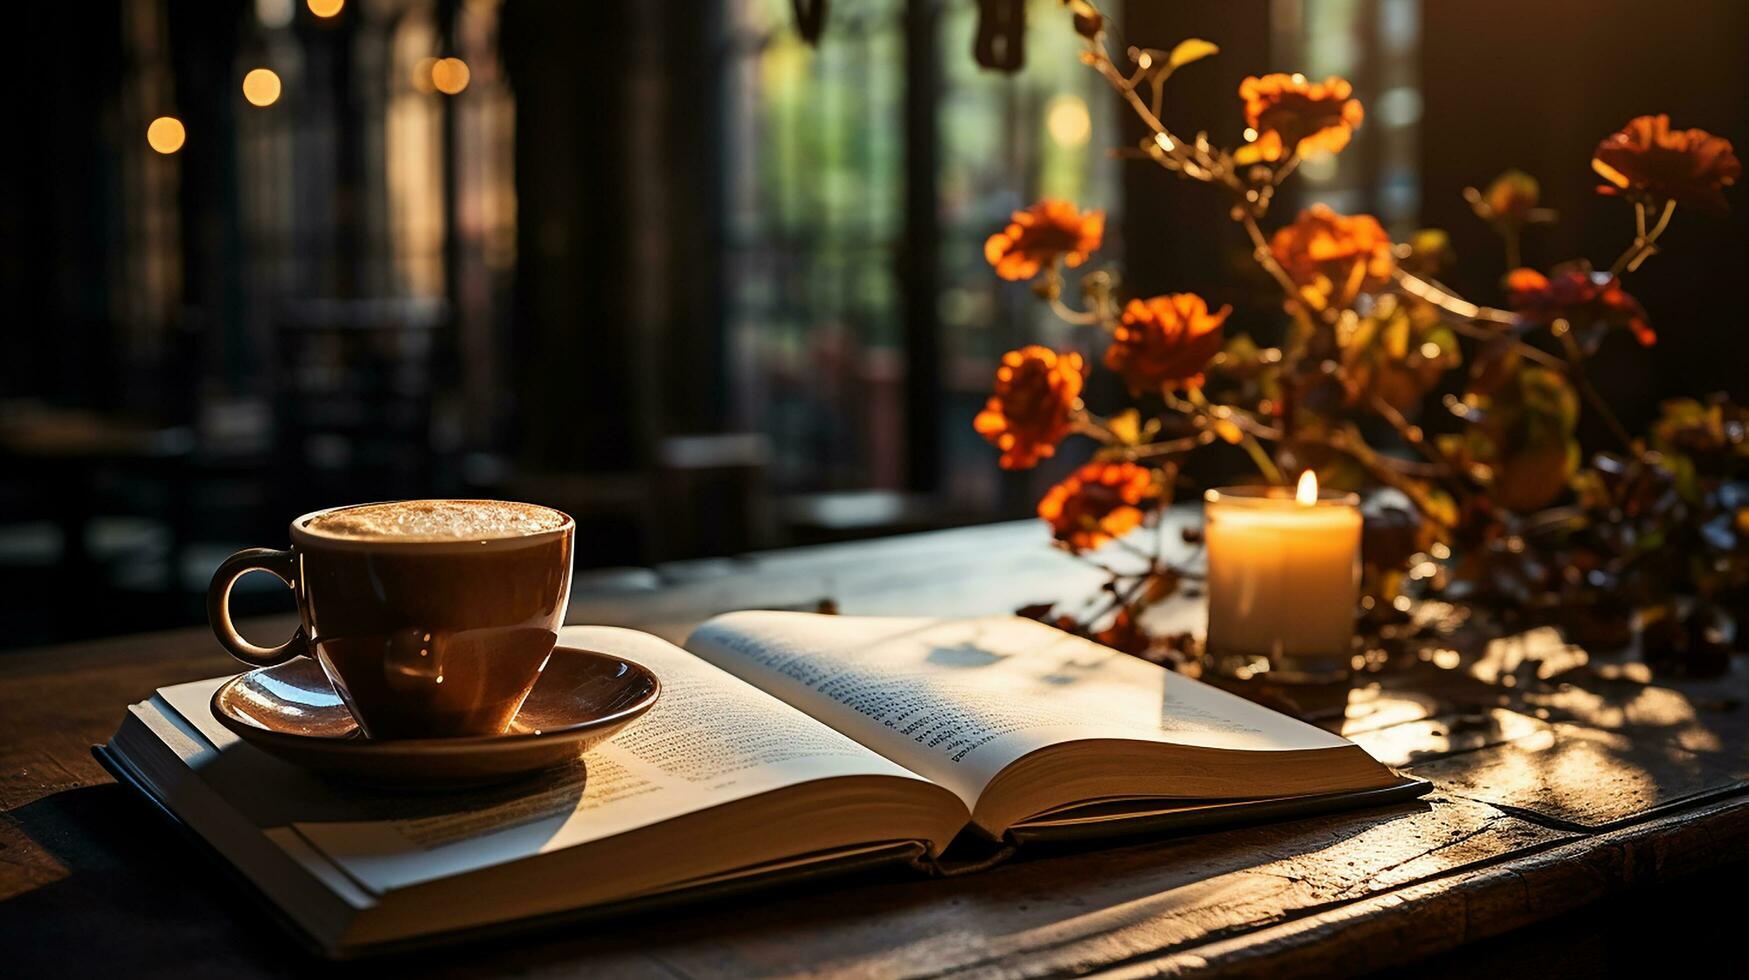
<point>291,711</point>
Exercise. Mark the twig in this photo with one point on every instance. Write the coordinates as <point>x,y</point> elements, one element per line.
<point>1103,64</point>
<point>1286,168</point>
<point>1247,441</point>
<point>1231,413</point>
<point>1079,318</point>
<point>1414,467</point>
<point>1152,450</point>
<point>1118,601</point>
<point>1519,347</point>
<point>1471,320</point>
<point>1350,444</point>
<point>1411,433</point>
<point>1111,572</point>
<point>1457,306</point>
<point>1265,465</point>
<point>1175,153</point>
<point>1593,398</point>
<point>1644,244</point>
<point>1139,553</point>
<point>1088,424</point>
<point>1266,258</point>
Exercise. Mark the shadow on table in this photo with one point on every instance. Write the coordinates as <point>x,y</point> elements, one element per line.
<point>1529,722</point>
<point>131,896</point>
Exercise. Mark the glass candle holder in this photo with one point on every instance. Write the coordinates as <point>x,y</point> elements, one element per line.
<point>1283,581</point>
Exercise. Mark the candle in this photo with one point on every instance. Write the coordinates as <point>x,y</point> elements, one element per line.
<point>1283,580</point>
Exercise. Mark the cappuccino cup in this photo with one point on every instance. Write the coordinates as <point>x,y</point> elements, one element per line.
<point>431,618</point>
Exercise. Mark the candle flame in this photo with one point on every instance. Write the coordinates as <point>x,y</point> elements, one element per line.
<point>1307,492</point>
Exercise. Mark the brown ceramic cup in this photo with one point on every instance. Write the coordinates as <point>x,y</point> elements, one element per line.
<point>422,636</point>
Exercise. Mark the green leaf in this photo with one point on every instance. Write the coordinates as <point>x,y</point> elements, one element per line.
<point>1684,477</point>
<point>1188,50</point>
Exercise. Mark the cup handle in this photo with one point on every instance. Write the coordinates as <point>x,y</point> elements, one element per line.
<point>282,565</point>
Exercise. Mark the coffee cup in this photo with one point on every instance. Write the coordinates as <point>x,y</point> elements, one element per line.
<point>431,618</point>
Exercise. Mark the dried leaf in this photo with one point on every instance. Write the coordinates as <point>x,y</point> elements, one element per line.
<point>1161,587</point>
<point>1188,50</point>
<point>1088,20</point>
<point>1127,426</point>
<point>1396,337</point>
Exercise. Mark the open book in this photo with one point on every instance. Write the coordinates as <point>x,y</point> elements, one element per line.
<point>784,744</point>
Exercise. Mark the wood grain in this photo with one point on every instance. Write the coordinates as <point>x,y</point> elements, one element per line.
<point>1577,778</point>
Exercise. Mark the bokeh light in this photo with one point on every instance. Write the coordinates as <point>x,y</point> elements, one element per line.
<point>274,13</point>
<point>450,75</point>
<point>1068,121</point>
<point>325,8</point>
<point>261,87</point>
<point>166,134</point>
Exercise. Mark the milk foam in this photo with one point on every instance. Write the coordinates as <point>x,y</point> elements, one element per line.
<point>436,520</point>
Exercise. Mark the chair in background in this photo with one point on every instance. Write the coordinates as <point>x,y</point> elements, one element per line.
<point>353,401</point>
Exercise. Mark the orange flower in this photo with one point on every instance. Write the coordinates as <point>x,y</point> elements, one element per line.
<point>1040,234</point>
<point>1689,166</point>
<point>1098,502</point>
<point>1580,297</point>
<point>1333,257</point>
<point>1287,111</point>
<point>1165,341</point>
<point>1036,389</point>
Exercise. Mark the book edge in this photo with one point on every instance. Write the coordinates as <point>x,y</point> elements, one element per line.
<point>1223,817</point>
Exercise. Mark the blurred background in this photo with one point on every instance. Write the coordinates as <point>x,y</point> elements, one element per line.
<point>706,274</point>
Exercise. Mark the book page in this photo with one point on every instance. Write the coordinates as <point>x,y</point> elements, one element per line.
<point>957,700</point>
<point>709,740</point>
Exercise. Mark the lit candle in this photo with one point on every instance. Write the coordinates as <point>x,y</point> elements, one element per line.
<point>1283,580</point>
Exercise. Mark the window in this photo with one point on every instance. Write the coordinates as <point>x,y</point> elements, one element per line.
<point>815,227</point>
<point>1006,141</point>
<point>1375,44</point>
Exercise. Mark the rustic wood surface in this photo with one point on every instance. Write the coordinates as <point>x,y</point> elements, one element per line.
<point>1562,779</point>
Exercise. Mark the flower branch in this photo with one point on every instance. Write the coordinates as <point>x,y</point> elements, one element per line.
<point>1373,340</point>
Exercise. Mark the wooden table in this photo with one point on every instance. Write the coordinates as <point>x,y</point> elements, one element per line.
<point>1563,782</point>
